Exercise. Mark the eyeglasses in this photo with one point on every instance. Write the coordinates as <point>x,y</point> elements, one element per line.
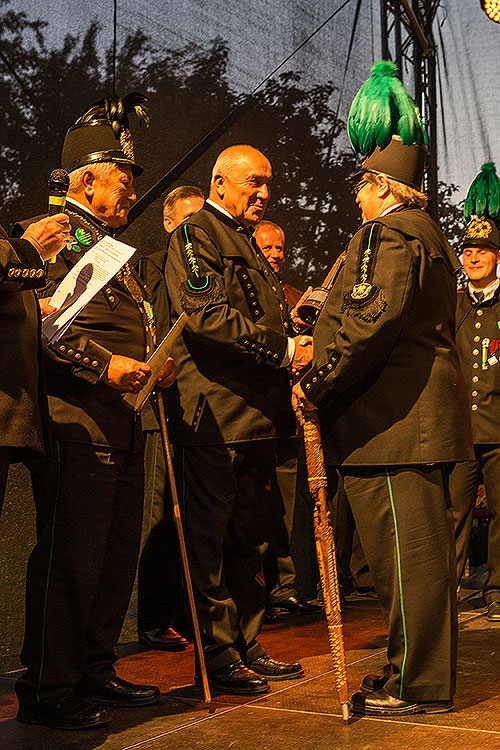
<point>359,186</point>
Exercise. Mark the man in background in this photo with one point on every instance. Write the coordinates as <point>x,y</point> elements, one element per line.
<point>161,611</point>
<point>478,343</point>
<point>279,567</point>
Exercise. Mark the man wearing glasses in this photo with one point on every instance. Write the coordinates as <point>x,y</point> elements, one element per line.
<point>386,379</point>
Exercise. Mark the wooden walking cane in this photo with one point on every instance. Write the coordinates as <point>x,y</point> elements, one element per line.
<point>167,449</point>
<point>325,548</point>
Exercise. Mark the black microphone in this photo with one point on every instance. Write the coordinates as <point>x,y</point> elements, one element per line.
<point>58,187</point>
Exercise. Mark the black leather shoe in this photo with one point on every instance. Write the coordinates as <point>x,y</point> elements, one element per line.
<point>493,613</point>
<point>66,712</point>
<point>164,639</point>
<point>237,679</point>
<point>275,670</point>
<point>270,616</point>
<point>373,682</point>
<point>294,606</point>
<point>381,703</point>
<point>118,692</point>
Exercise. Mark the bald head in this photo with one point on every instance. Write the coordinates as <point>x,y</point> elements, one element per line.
<point>240,183</point>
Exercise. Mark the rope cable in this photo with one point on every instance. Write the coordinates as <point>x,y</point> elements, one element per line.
<point>115,14</point>
<point>244,101</point>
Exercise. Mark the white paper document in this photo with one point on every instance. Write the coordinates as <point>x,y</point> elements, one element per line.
<point>86,278</point>
<point>156,362</point>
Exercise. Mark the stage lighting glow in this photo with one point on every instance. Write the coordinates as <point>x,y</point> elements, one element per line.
<point>492,9</point>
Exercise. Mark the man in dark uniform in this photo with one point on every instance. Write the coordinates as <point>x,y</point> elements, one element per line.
<point>233,402</point>
<point>478,342</point>
<point>279,567</point>
<point>81,572</point>
<point>160,606</point>
<point>22,269</point>
<point>393,409</point>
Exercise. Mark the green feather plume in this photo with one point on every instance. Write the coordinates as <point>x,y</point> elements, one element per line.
<point>117,111</point>
<point>382,108</point>
<point>483,198</point>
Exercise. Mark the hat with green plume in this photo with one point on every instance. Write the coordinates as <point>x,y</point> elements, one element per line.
<point>103,134</point>
<point>385,124</point>
<point>483,202</point>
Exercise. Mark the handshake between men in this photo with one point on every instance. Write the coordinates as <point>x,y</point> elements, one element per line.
<point>302,355</point>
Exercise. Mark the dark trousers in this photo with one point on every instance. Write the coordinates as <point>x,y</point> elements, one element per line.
<point>160,591</point>
<point>354,573</point>
<point>279,568</point>
<point>227,530</point>
<point>406,531</point>
<point>81,571</point>
<point>464,482</point>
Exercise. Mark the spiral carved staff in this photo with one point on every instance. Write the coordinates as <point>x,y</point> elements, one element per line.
<point>325,549</point>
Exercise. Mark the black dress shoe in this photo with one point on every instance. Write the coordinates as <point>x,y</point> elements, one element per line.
<point>66,712</point>
<point>293,606</point>
<point>275,670</point>
<point>493,613</point>
<point>270,616</point>
<point>118,692</point>
<point>373,682</point>
<point>381,703</point>
<point>164,639</point>
<point>237,679</point>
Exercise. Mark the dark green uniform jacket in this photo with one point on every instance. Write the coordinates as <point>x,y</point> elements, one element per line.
<point>478,343</point>
<point>21,270</point>
<point>83,408</point>
<point>386,374</point>
<point>230,386</point>
<point>151,271</point>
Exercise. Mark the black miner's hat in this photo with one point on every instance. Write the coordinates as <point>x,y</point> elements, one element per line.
<point>402,163</point>
<point>384,123</point>
<point>483,202</point>
<point>93,142</point>
<point>102,134</point>
<point>482,232</point>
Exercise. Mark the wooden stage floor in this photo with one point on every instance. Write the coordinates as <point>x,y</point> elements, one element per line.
<point>296,715</point>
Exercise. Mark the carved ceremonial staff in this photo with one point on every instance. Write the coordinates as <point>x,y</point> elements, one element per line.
<point>167,448</point>
<point>325,548</point>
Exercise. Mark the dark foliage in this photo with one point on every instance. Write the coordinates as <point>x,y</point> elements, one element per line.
<point>44,91</point>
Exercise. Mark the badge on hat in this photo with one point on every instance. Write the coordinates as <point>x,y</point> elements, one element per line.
<point>483,202</point>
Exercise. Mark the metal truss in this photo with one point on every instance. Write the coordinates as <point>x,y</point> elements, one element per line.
<point>408,40</point>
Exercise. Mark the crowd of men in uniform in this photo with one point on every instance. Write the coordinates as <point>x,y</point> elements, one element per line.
<point>382,368</point>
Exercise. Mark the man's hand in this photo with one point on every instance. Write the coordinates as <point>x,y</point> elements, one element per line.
<point>45,306</point>
<point>303,353</point>
<point>299,399</point>
<point>126,374</point>
<point>167,374</point>
<point>296,319</point>
<point>48,236</point>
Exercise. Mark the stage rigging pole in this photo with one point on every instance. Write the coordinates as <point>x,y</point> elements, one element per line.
<point>407,39</point>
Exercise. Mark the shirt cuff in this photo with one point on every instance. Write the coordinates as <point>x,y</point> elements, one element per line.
<point>289,353</point>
